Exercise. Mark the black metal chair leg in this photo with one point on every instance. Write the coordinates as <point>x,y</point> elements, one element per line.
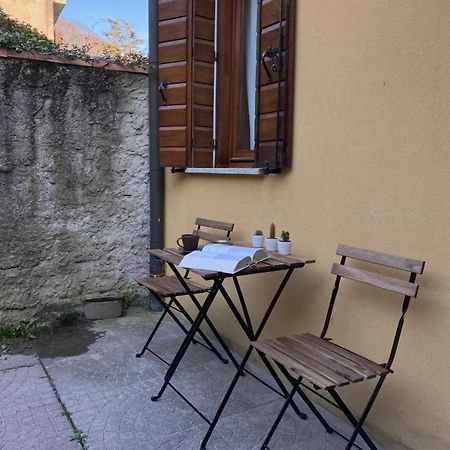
<point>209,344</point>
<point>155,329</point>
<point>217,335</point>
<point>351,418</point>
<point>179,323</point>
<point>279,417</point>
<point>280,384</point>
<point>365,413</point>
<point>305,398</point>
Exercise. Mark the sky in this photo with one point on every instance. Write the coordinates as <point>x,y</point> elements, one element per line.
<point>91,12</point>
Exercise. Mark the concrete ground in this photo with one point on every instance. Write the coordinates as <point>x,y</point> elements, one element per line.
<point>83,387</point>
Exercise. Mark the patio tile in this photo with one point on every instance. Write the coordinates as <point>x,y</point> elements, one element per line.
<point>107,393</point>
<point>30,415</point>
<point>247,430</point>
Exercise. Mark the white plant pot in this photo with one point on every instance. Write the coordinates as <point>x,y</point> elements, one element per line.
<point>284,248</point>
<point>257,240</point>
<point>271,245</point>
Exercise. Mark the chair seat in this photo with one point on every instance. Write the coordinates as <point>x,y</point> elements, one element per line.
<point>324,364</point>
<point>169,286</point>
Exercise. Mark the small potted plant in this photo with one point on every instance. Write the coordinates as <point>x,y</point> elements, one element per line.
<point>284,243</point>
<point>271,241</point>
<point>258,239</point>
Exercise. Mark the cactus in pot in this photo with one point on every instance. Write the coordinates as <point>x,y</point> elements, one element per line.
<point>271,241</point>
<point>284,244</point>
<point>258,239</point>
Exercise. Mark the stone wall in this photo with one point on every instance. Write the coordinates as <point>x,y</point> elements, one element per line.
<point>74,200</point>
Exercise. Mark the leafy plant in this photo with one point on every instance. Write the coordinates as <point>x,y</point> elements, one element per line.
<point>284,237</point>
<point>127,296</point>
<point>272,231</point>
<point>258,233</point>
<point>21,329</point>
<point>21,36</point>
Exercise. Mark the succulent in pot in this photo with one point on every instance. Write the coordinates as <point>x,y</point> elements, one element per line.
<point>284,243</point>
<point>271,241</point>
<point>258,239</point>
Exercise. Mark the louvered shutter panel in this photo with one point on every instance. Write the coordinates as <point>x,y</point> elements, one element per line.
<point>275,78</point>
<point>186,76</point>
<point>174,130</point>
<point>203,82</point>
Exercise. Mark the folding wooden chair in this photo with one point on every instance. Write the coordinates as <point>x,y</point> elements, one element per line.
<point>167,289</point>
<point>328,366</point>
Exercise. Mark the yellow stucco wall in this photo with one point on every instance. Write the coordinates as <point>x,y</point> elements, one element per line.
<point>40,14</point>
<point>371,168</point>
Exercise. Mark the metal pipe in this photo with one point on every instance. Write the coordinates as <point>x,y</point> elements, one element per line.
<point>156,173</point>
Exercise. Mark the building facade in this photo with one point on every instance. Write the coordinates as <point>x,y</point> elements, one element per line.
<point>40,14</point>
<point>370,168</point>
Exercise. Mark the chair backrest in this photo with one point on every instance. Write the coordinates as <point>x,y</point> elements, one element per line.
<point>217,231</point>
<point>408,289</point>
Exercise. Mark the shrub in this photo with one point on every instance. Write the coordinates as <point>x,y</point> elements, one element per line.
<point>20,36</point>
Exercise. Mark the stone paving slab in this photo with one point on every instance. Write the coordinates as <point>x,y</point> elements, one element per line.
<point>30,415</point>
<point>106,390</point>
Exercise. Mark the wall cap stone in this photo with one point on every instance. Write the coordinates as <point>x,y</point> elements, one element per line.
<point>59,59</point>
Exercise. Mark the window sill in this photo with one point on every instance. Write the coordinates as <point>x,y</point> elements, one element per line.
<point>222,170</point>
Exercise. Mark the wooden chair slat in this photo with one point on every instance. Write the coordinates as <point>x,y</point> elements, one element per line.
<point>330,355</point>
<point>214,224</point>
<point>343,368</point>
<point>374,279</point>
<point>164,255</point>
<point>341,351</point>
<point>167,286</point>
<point>293,365</point>
<point>296,351</point>
<point>321,362</point>
<point>383,259</point>
<point>210,237</point>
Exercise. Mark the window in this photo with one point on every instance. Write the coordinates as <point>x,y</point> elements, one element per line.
<point>226,83</point>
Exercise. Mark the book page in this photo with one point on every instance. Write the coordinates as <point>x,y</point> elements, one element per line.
<point>256,254</point>
<point>214,261</point>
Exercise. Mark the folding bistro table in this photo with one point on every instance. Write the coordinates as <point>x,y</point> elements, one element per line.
<point>274,263</point>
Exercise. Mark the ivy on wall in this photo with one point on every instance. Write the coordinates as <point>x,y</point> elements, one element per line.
<point>20,36</point>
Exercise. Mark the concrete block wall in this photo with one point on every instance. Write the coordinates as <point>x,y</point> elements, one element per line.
<point>74,194</point>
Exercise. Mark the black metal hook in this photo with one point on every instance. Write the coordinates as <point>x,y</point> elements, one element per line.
<point>161,88</point>
<point>274,55</point>
<point>270,169</point>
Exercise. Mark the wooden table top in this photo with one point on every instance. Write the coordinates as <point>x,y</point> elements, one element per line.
<point>273,263</point>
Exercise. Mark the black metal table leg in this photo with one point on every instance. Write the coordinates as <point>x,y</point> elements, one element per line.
<point>209,345</point>
<point>247,355</point>
<point>225,399</point>
<point>219,338</point>
<point>279,417</point>
<point>184,346</point>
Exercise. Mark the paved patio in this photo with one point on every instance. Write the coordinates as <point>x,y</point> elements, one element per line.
<point>86,378</point>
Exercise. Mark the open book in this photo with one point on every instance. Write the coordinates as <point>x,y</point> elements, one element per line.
<point>223,258</point>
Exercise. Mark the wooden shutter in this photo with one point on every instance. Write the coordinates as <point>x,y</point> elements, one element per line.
<point>275,78</point>
<point>186,76</point>
<point>203,82</point>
